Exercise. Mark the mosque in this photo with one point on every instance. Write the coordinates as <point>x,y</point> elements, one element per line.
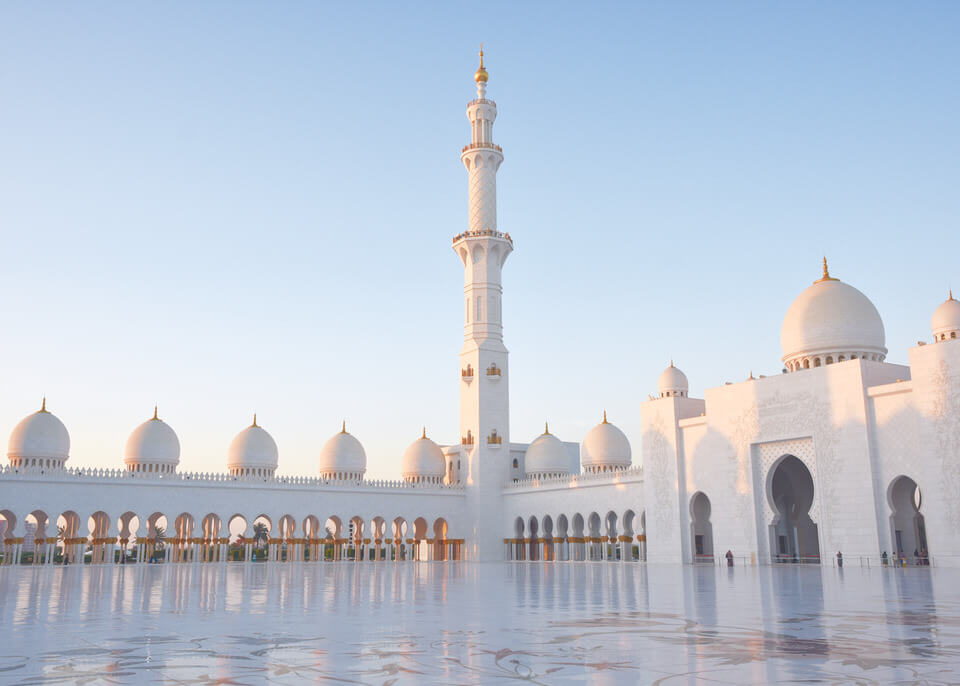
<point>842,452</point>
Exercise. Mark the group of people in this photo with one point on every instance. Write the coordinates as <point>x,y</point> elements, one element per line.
<point>920,558</point>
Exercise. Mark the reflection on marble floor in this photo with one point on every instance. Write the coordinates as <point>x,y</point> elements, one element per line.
<point>566,623</point>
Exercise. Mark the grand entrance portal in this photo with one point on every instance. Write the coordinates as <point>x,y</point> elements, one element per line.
<point>793,534</point>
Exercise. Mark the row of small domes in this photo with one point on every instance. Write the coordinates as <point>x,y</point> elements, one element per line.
<point>41,439</point>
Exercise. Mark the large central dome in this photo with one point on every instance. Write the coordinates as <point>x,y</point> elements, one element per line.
<point>831,322</point>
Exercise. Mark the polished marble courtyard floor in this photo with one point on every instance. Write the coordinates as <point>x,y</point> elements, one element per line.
<point>566,623</point>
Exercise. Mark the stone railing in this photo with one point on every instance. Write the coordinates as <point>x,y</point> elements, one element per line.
<point>483,232</point>
<point>75,474</point>
<point>631,475</point>
<point>481,101</point>
<point>484,146</point>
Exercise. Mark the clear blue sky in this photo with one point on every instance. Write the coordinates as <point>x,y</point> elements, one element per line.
<point>229,207</point>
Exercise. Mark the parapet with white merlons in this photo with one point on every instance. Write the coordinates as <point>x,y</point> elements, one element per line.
<point>82,474</point>
<point>568,481</point>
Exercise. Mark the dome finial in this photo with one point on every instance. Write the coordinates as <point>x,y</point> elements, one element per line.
<point>604,417</point>
<point>424,432</point>
<point>155,412</point>
<point>671,361</point>
<point>343,427</point>
<point>826,272</point>
<point>950,291</point>
<point>254,419</point>
<point>546,428</point>
<point>481,75</point>
<point>43,404</point>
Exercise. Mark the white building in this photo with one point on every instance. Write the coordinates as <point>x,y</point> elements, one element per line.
<point>832,455</point>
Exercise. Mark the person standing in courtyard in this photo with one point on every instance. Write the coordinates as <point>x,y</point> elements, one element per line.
<point>729,557</point>
<point>839,559</point>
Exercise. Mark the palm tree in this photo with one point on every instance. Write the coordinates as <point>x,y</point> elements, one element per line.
<point>261,534</point>
<point>158,538</point>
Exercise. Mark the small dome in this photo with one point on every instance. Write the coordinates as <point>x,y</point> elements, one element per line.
<point>946,320</point>
<point>828,320</point>
<point>152,443</point>
<point>546,455</point>
<point>252,449</point>
<point>423,461</point>
<point>604,448</point>
<point>673,382</point>
<point>342,457</point>
<point>40,436</point>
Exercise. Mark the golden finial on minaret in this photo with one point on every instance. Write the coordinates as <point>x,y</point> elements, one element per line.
<point>343,427</point>
<point>604,417</point>
<point>155,412</point>
<point>43,404</point>
<point>481,75</point>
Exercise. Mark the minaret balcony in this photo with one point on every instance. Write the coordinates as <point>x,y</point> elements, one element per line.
<point>483,233</point>
<point>482,101</point>
<point>493,373</point>
<point>484,145</point>
<point>467,374</point>
<point>494,440</point>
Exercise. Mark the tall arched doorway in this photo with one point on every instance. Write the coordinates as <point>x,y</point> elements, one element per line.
<point>907,526</point>
<point>700,527</point>
<point>793,533</point>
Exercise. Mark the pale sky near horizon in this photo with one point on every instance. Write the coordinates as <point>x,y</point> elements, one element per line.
<point>229,207</point>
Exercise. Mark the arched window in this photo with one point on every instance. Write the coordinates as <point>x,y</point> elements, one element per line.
<point>830,360</point>
<point>516,464</point>
<point>816,362</point>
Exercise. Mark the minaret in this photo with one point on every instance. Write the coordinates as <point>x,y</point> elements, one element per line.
<point>484,397</point>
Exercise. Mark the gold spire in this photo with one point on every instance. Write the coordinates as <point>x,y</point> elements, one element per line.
<point>43,404</point>
<point>343,427</point>
<point>604,417</point>
<point>826,273</point>
<point>951,294</point>
<point>546,428</point>
<point>481,76</point>
<point>671,361</point>
<point>424,432</point>
<point>155,412</point>
<point>751,376</point>
<point>254,419</point>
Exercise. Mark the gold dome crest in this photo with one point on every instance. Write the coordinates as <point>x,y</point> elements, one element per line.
<point>481,76</point>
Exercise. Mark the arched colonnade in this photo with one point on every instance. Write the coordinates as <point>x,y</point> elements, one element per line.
<point>67,537</point>
<point>579,537</point>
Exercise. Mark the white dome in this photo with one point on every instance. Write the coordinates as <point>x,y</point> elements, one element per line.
<point>830,319</point>
<point>605,447</point>
<point>546,455</point>
<point>342,455</point>
<point>252,448</point>
<point>153,442</point>
<point>40,436</point>
<point>673,382</point>
<point>423,460</point>
<point>946,320</point>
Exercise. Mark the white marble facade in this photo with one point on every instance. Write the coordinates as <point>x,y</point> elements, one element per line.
<point>841,452</point>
